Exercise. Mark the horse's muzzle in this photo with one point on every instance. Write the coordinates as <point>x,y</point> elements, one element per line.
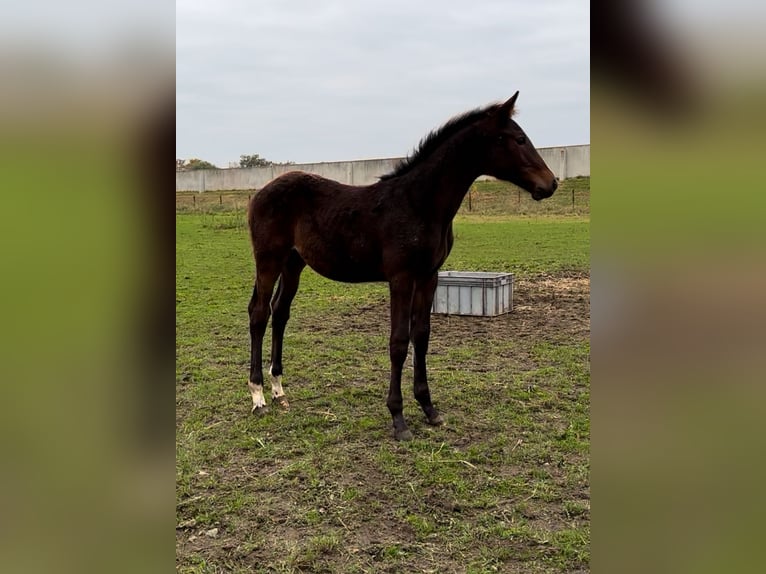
<point>544,192</point>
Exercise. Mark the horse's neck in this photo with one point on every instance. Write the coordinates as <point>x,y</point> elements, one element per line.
<point>447,178</point>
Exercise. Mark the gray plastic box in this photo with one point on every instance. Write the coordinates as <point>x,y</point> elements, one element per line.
<point>477,293</point>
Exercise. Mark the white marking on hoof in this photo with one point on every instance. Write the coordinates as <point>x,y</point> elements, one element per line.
<point>276,387</point>
<point>257,392</point>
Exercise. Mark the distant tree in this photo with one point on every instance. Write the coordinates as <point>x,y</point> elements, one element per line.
<point>199,164</point>
<point>180,164</point>
<point>253,161</point>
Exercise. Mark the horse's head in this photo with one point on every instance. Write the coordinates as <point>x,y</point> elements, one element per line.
<point>511,155</point>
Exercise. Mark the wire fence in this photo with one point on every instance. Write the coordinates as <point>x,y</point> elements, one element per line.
<point>484,198</point>
<point>502,198</point>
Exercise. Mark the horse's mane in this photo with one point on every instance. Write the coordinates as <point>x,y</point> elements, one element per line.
<point>436,138</point>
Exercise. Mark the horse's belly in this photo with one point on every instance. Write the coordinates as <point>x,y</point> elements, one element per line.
<point>345,267</point>
<point>355,276</point>
<point>348,273</point>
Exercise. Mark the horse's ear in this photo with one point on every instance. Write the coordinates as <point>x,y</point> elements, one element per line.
<point>507,108</point>
<point>502,113</point>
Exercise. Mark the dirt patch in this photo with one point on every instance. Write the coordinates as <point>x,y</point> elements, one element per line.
<point>545,307</point>
<point>548,308</point>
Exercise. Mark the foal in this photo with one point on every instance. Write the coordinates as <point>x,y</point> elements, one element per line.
<point>397,230</point>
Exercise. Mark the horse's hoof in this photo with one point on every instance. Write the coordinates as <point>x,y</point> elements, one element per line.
<point>282,402</point>
<point>403,435</point>
<point>259,411</point>
<point>436,420</point>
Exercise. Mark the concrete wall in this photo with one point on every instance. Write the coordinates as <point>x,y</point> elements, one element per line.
<point>565,161</point>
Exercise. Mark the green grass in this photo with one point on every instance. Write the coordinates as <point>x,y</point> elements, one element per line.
<point>503,486</point>
<point>503,198</point>
<point>523,245</point>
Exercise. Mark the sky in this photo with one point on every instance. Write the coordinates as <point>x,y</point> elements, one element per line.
<point>308,81</point>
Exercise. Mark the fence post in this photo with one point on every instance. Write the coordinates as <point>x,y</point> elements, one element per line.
<point>573,205</point>
<point>563,164</point>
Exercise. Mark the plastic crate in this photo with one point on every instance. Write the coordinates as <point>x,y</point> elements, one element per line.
<point>476,293</point>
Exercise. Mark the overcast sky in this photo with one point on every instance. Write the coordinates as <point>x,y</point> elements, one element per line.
<point>307,80</point>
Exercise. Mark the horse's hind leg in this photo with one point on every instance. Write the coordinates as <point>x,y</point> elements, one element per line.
<point>401,299</point>
<point>420,331</point>
<point>267,269</point>
<point>280,310</point>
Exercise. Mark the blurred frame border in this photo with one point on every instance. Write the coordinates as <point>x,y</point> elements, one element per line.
<point>678,277</point>
<point>87,131</point>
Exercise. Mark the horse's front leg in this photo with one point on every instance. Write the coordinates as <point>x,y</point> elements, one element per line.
<point>401,299</point>
<point>420,331</point>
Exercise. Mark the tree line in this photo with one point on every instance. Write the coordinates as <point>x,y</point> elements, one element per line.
<point>253,160</point>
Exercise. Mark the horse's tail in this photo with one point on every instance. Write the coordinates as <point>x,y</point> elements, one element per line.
<point>251,219</point>
<point>266,217</point>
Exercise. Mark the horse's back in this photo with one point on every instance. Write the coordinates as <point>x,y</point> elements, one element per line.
<point>294,187</point>
<point>275,210</point>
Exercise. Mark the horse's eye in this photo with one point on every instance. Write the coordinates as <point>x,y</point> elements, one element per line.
<point>521,141</point>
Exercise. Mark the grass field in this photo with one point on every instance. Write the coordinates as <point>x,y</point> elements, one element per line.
<point>503,486</point>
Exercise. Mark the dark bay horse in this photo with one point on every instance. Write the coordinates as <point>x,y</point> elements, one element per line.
<point>397,230</point>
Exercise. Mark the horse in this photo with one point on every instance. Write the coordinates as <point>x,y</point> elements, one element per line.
<point>397,230</point>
